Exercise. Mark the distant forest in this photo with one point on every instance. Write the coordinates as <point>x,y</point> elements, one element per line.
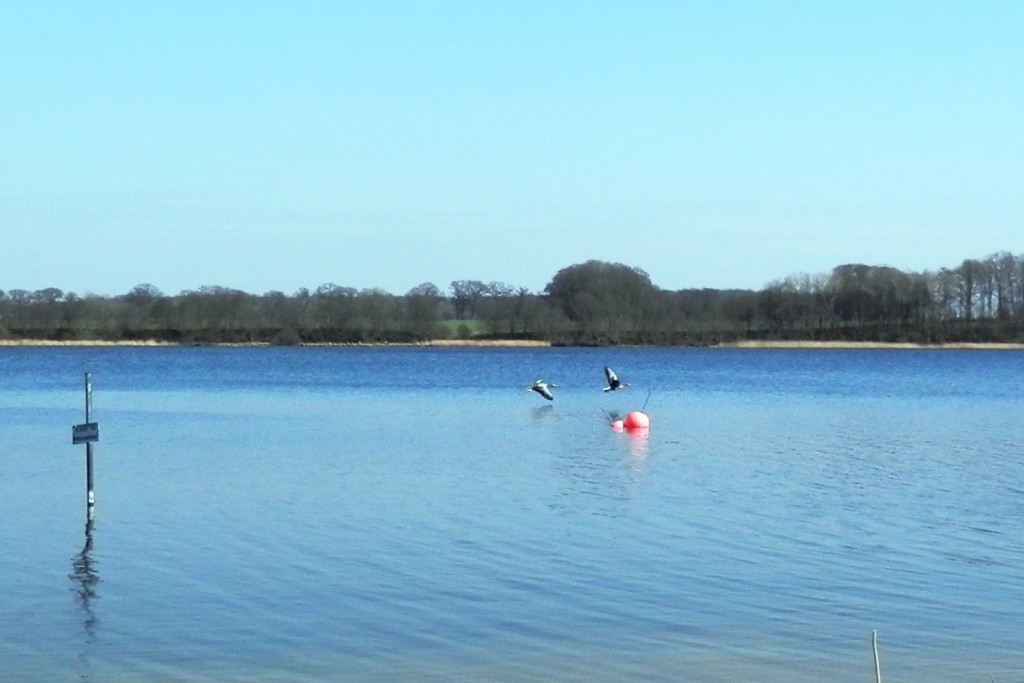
<point>592,303</point>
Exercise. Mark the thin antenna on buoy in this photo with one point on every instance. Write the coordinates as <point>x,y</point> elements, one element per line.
<point>644,406</point>
<point>874,646</point>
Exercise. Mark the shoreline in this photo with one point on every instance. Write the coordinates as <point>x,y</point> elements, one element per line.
<point>520,343</point>
<point>154,343</point>
<point>951,346</point>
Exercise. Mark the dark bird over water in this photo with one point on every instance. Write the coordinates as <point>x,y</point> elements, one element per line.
<point>613,380</point>
<point>543,388</point>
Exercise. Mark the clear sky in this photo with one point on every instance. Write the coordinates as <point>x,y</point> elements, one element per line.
<point>268,146</point>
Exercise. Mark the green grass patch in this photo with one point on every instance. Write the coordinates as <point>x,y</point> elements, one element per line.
<point>463,329</point>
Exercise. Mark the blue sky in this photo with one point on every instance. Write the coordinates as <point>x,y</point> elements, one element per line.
<point>277,145</point>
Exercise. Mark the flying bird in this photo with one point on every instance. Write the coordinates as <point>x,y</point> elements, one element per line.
<point>543,388</point>
<point>613,380</point>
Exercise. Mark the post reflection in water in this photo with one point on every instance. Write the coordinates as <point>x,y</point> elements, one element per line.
<point>86,577</point>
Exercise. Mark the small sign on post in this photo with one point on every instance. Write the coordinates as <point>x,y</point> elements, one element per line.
<point>85,433</point>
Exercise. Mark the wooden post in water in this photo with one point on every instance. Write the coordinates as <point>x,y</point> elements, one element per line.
<point>87,433</point>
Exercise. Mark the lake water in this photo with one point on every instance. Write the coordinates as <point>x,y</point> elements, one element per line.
<point>414,514</point>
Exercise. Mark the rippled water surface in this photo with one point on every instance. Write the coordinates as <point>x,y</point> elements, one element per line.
<point>406,514</point>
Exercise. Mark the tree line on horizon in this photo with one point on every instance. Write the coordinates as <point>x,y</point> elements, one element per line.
<point>591,303</point>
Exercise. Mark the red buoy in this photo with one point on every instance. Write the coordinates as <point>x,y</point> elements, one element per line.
<point>637,420</point>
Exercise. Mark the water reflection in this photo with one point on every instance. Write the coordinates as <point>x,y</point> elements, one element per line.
<point>85,577</point>
<point>542,412</point>
<point>602,468</point>
<point>638,446</point>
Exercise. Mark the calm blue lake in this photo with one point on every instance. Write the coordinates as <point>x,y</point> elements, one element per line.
<point>415,514</point>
